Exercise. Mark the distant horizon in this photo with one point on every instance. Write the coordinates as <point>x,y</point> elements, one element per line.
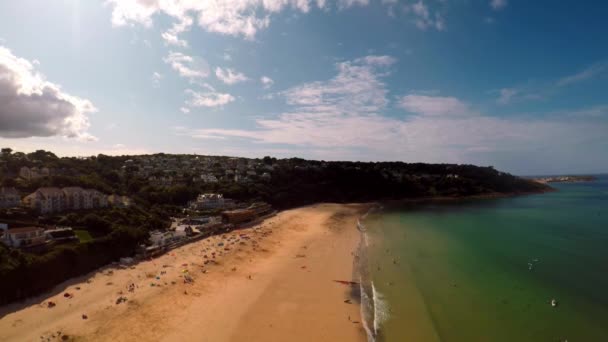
<point>513,84</point>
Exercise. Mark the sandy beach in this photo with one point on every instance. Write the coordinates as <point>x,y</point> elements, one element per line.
<point>270,282</point>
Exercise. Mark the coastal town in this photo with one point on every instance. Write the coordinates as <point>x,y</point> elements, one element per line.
<point>72,215</point>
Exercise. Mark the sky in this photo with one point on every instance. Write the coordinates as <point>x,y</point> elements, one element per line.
<point>516,84</point>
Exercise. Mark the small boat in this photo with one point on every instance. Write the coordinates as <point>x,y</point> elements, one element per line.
<point>553,302</point>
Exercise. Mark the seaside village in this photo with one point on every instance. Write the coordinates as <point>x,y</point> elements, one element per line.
<point>208,214</point>
<point>229,215</point>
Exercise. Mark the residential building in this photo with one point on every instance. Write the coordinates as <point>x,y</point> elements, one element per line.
<point>9,198</point>
<point>74,197</point>
<point>163,239</point>
<point>94,199</point>
<point>24,237</point>
<point>209,201</point>
<point>34,173</point>
<point>52,200</point>
<point>238,216</point>
<point>46,200</point>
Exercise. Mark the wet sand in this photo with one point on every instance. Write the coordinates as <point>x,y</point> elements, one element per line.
<point>270,282</point>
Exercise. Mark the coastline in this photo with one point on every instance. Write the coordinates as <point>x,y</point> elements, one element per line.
<point>271,281</point>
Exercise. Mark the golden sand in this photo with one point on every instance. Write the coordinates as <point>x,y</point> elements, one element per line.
<point>270,282</point>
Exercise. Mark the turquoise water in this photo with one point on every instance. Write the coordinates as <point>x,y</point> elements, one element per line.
<point>487,270</point>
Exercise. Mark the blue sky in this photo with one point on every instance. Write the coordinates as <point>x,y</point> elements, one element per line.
<point>520,85</point>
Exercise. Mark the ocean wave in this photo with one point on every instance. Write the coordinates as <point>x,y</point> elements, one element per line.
<point>374,308</point>
<point>381,311</point>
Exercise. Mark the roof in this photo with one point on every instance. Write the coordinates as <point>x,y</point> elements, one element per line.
<point>50,191</point>
<point>23,230</point>
<point>72,189</point>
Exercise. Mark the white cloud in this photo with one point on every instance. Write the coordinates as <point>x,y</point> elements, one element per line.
<point>209,98</point>
<point>156,78</point>
<point>171,36</point>
<point>424,19</point>
<point>31,106</point>
<point>185,110</point>
<point>345,103</point>
<point>266,81</point>
<point>227,56</point>
<point>434,105</point>
<point>498,4</point>
<point>229,76</point>
<point>192,68</point>
<point>235,17</point>
<point>342,118</point>
<point>586,74</point>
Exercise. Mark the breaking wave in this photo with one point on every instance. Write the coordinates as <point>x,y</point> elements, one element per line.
<point>374,309</point>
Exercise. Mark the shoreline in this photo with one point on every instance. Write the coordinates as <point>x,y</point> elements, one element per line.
<point>271,281</point>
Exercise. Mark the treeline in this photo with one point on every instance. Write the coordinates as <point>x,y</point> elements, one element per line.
<point>351,182</point>
<point>116,232</point>
<point>24,275</point>
<point>293,181</point>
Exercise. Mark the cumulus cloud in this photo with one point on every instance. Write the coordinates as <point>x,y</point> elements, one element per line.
<point>498,4</point>
<point>192,68</point>
<point>210,98</point>
<point>31,106</point>
<point>266,81</point>
<point>230,76</point>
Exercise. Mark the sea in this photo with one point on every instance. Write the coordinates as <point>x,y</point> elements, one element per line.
<point>526,268</point>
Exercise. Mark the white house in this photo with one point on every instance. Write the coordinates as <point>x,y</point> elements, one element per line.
<point>209,201</point>
<point>24,237</point>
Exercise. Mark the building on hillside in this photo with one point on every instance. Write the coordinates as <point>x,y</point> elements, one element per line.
<point>34,172</point>
<point>238,216</point>
<point>166,238</point>
<point>53,200</point>
<point>24,237</point>
<point>208,201</point>
<point>74,197</point>
<point>46,200</point>
<point>9,198</point>
<point>94,199</point>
